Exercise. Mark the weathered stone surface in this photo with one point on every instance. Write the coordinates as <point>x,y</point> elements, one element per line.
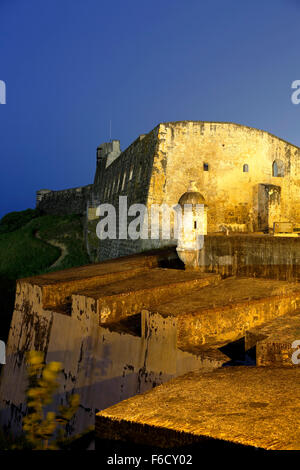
<point>273,341</point>
<point>253,406</point>
<point>237,200</point>
<point>65,201</point>
<point>254,255</point>
<point>120,299</point>
<point>57,287</point>
<point>163,332</point>
<point>226,311</point>
<point>231,194</point>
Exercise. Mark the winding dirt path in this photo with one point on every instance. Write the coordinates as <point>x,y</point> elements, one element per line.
<point>61,246</point>
<point>63,254</point>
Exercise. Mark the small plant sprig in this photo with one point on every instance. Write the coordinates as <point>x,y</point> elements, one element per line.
<point>45,430</point>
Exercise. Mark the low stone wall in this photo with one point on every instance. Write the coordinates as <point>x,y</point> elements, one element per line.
<point>66,201</point>
<point>253,256</point>
<point>250,255</point>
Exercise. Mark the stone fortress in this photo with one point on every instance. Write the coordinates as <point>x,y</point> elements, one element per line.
<point>138,321</point>
<point>248,178</point>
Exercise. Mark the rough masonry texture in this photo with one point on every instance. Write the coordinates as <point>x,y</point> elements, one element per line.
<point>66,201</point>
<point>120,328</point>
<point>248,177</point>
<point>250,406</point>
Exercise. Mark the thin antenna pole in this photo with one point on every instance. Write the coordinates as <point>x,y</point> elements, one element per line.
<point>110,130</point>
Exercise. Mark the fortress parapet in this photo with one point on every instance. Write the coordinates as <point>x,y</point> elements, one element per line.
<point>65,201</point>
<point>106,154</point>
<point>40,194</point>
<point>108,151</point>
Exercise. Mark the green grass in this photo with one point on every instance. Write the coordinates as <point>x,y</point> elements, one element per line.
<point>15,220</point>
<point>69,231</point>
<point>26,250</point>
<point>21,254</point>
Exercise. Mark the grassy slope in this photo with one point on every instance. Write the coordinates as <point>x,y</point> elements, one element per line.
<point>22,254</point>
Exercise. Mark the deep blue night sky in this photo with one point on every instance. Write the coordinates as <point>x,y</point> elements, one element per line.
<point>72,65</point>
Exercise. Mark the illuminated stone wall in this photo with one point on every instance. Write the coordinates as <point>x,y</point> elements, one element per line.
<point>232,166</point>
<point>232,195</point>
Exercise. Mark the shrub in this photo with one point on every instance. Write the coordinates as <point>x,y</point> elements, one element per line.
<point>45,430</point>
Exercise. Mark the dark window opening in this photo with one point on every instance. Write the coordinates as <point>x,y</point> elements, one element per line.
<point>245,168</point>
<point>195,224</point>
<point>205,166</point>
<point>278,168</point>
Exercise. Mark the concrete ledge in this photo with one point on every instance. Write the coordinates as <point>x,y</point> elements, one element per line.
<point>145,289</point>
<point>245,405</point>
<point>57,287</point>
<point>273,340</point>
<point>226,311</point>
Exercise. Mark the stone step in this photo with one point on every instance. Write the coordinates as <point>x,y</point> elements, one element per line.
<point>249,406</point>
<point>120,299</point>
<point>224,312</point>
<point>273,341</point>
<point>54,290</point>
